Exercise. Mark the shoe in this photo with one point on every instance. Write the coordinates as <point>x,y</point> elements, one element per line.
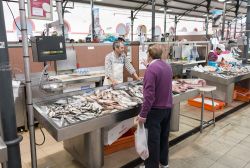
<point>161,166</point>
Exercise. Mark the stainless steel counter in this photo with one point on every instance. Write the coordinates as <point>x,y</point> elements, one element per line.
<point>81,138</point>
<point>74,77</point>
<point>209,77</point>
<point>225,87</point>
<point>177,99</point>
<point>63,133</point>
<point>3,151</point>
<point>180,66</point>
<point>185,95</point>
<point>84,139</point>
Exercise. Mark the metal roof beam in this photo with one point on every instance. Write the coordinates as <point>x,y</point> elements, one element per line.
<point>191,3</point>
<point>162,5</point>
<point>147,10</point>
<point>192,9</point>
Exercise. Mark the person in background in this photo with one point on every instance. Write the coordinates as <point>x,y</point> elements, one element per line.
<point>212,56</point>
<point>121,39</point>
<point>157,106</point>
<point>114,63</point>
<point>216,54</point>
<point>221,49</point>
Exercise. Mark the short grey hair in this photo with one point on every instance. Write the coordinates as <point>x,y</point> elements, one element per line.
<point>117,44</point>
<point>155,51</point>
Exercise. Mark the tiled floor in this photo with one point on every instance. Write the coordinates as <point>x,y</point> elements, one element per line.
<point>227,145</point>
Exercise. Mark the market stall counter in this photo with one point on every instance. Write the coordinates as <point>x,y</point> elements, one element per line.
<point>78,119</point>
<point>224,82</point>
<point>177,99</point>
<point>180,67</point>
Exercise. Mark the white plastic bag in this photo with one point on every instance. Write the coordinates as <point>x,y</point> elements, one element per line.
<point>141,141</point>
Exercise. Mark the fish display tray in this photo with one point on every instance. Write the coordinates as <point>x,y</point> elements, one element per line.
<point>82,127</point>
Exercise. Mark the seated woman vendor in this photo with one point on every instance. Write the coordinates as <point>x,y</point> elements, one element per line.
<point>218,53</point>
<point>221,56</point>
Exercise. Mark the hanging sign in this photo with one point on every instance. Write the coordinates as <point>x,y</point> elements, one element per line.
<point>40,9</point>
<point>217,18</point>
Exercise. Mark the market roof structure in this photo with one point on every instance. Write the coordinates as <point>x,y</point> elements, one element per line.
<point>192,8</point>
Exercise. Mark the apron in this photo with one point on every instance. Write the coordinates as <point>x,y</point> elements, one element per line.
<point>117,72</point>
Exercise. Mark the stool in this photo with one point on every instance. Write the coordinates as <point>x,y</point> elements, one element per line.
<point>203,90</point>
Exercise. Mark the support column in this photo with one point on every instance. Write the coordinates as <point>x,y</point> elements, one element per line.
<point>241,26</point>
<point>60,15</point>
<point>207,22</point>
<point>92,20</point>
<point>29,100</point>
<point>175,28</point>
<point>235,28</point>
<point>153,20</point>
<point>7,106</point>
<point>132,25</point>
<point>246,46</point>
<point>223,21</point>
<point>165,17</point>
<point>228,30</point>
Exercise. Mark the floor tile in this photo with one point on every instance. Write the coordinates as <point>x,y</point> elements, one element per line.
<point>231,161</point>
<point>218,165</point>
<point>247,165</point>
<point>240,153</point>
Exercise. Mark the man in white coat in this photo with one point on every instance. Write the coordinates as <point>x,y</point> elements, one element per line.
<point>114,63</point>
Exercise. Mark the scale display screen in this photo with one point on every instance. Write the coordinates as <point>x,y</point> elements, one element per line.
<point>48,48</point>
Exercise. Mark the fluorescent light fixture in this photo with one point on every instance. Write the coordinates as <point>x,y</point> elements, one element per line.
<point>221,0</point>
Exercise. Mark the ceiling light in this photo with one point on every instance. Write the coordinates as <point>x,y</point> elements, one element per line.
<point>221,0</point>
<point>228,2</point>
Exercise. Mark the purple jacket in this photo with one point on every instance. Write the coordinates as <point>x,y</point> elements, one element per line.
<point>157,87</point>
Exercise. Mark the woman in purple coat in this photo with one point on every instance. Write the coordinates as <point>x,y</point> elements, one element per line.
<point>156,107</point>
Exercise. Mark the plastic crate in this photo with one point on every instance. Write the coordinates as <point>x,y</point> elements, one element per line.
<point>241,94</point>
<point>197,102</point>
<point>125,141</point>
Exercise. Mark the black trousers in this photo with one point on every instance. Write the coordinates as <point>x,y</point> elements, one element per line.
<point>158,125</point>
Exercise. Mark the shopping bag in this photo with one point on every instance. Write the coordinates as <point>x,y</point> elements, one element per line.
<point>141,141</point>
